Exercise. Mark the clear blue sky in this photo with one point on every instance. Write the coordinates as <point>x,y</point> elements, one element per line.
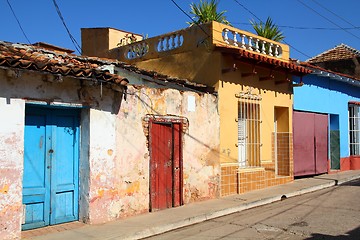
<point>340,23</point>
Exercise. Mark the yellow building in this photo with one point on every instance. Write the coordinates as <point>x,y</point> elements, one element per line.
<point>252,76</point>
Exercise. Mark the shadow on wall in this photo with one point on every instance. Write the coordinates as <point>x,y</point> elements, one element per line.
<point>255,75</point>
<point>147,103</point>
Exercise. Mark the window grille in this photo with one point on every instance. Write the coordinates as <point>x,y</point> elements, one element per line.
<point>248,129</point>
<point>354,129</point>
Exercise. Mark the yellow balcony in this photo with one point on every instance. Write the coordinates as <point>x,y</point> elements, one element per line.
<point>209,35</point>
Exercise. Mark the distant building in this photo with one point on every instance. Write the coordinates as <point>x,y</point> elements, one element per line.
<point>341,59</point>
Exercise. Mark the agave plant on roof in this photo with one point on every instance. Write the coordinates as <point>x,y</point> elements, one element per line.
<point>206,11</point>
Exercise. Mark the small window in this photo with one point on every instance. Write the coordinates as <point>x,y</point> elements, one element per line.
<point>248,134</point>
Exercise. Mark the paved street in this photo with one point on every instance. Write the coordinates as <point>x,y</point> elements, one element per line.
<point>332,213</point>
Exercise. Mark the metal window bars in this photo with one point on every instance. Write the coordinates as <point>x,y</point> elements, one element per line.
<point>248,129</point>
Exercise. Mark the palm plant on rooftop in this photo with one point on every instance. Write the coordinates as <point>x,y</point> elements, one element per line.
<point>206,11</point>
<point>268,30</point>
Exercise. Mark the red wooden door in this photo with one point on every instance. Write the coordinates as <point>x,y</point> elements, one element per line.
<point>165,166</point>
<point>310,143</point>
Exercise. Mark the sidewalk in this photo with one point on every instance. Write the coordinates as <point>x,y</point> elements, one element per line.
<point>150,224</point>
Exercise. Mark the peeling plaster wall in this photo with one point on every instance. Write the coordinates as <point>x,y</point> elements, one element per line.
<point>201,150</point>
<point>13,97</point>
<point>114,156</point>
<point>11,164</point>
<point>102,161</point>
<point>119,156</point>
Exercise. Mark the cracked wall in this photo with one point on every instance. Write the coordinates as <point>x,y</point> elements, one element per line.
<point>119,155</point>
<point>114,156</point>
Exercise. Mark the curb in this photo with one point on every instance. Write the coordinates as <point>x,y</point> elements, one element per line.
<point>152,231</point>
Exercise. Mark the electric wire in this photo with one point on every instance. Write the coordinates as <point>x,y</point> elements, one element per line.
<point>73,40</point>
<point>22,30</point>
<point>303,28</point>
<point>262,22</point>
<point>340,17</point>
<point>310,8</point>
<point>189,17</point>
<point>253,14</point>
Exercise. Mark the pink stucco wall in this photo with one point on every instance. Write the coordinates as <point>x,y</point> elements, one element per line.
<point>119,156</point>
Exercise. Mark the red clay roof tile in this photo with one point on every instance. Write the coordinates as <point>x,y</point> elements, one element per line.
<point>36,58</point>
<point>295,68</point>
<point>340,52</point>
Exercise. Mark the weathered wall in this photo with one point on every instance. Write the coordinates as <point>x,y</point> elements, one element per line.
<point>119,161</point>
<point>114,157</point>
<point>13,97</point>
<point>11,165</point>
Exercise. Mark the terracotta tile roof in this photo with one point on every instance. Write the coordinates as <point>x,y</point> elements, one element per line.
<point>35,58</point>
<point>340,52</point>
<point>261,59</point>
<point>41,58</point>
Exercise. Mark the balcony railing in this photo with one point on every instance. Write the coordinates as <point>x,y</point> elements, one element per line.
<point>192,38</point>
<point>170,42</point>
<point>249,42</point>
<point>164,43</point>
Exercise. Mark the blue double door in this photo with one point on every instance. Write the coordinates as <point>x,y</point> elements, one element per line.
<point>51,166</point>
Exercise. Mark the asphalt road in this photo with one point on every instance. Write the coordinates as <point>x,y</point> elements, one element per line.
<point>332,213</point>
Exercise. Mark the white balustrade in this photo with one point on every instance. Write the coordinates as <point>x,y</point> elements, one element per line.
<point>257,45</point>
<point>170,42</point>
<point>276,50</point>
<point>243,41</point>
<point>164,43</point>
<point>167,40</point>
<point>173,41</point>
<point>270,49</point>
<point>263,47</point>
<point>226,37</point>
<point>251,43</point>
<point>235,39</point>
<point>137,50</point>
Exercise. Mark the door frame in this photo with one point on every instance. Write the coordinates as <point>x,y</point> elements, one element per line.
<point>182,124</point>
<point>49,111</point>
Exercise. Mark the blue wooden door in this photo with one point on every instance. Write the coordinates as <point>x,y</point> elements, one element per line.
<point>51,158</point>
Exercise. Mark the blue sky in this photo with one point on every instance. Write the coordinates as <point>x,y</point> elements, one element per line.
<point>306,31</point>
